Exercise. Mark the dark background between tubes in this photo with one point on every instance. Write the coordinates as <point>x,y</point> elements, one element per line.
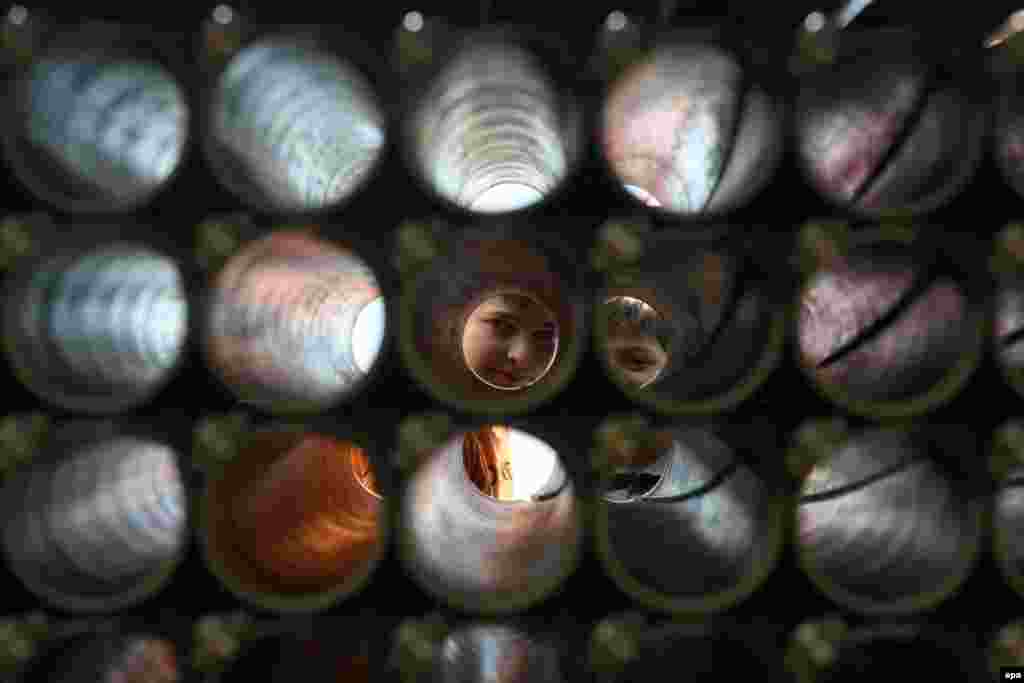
<point>783,402</point>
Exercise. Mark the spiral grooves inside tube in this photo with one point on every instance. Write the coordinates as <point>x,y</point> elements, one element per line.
<point>497,653</point>
<point>493,119</point>
<point>294,127</point>
<point>115,128</point>
<point>100,332</point>
<point>98,523</point>
<point>286,323</point>
<point>473,546</point>
<point>295,513</point>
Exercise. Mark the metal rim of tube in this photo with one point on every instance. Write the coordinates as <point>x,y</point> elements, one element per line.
<point>105,604</point>
<point>654,42</point>
<point>89,405</point>
<point>355,57</point>
<point>302,603</point>
<point>555,69</point>
<point>507,403</point>
<point>483,604</point>
<point>770,358</point>
<point>108,39</point>
<point>1001,544</point>
<point>978,125</point>
<point>970,554</point>
<point>657,600</point>
<point>941,392</point>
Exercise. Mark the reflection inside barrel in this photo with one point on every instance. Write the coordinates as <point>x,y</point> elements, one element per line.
<point>690,522</point>
<point>638,340</point>
<point>681,134</point>
<point>93,524</point>
<point>293,127</point>
<point>295,513</point>
<point>108,658</point>
<point>99,330</point>
<point>294,322</point>
<point>881,525</point>
<point>98,130</point>
<point>490,133</point>
<point>495,653</point>
<point>491,519</point>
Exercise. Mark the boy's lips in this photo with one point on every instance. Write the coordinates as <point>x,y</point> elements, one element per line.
<point>505,377</point>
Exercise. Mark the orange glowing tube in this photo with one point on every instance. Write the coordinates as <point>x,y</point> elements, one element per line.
<point>295,513</point>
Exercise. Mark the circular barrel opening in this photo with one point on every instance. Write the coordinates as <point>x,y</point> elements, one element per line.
<point>492,652</point>
<point>683,131</point>
<point>718,528</point>
<point>98,331</point>
<point>638,340</point>
<point>881,529</point>
<point>490,520</point>
<point>492,324</point>
<point>294,323</point>
<point>99,524</point>
<point>292,127</point>
<point>96,125</point>
<point>295,520</point>
<point>492,133</point>
<point>107,658</point>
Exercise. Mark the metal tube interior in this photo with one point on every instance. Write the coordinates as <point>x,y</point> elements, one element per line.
<point>294,322</point>
<point>881,522</point>
<point>681,133</point>
<point>491,652</point>
<point>293,127</point>
<point>97,130</point>
<point>471,547</point>
<point>95,523</point>
<point>1008,522</point>
<point>295,514</point>
<point>696,652</point>
<point>695,546</point>
<point>98,331</point>
<point>490,134</point>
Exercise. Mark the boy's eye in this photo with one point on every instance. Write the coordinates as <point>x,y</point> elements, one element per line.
<point>637,361</point>
<point>503,326</point>
<point>545,337</point>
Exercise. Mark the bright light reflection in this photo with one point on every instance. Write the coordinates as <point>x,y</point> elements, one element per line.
<point>506,197</point>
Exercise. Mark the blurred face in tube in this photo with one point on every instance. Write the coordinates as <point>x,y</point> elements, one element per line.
<point>510,341</point>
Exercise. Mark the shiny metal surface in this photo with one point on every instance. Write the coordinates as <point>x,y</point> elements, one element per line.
<point>494,653</point>
<point>280,322</point>
<point>1008,522</point>
<point>1008,137</point>
<point>709,514</point>
<point>882,525</point>
<point>680,126</point>
<point>293,127</point>
<point>1008,323</point>
<point>493,117</point>
<point>480,553</point>
<point>882,130</point>
<point>871,327</point>
<point>97,331</point>
<point>91,527</point>
<point>98,131</point>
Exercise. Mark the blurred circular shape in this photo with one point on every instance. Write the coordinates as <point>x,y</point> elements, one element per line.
<point>880,331</point>
<point>718,529</point>
<point>99,522</point>
<point>492,132</point>
<point>110,657</point>
<point>887,129</point>
<point>294,323</point>
<point>490,521</point>
<point>97,122</point>
<point>497,653</point>
<point>97,330</point>
<point>293,127</point>
<point>685,131</point>
<point>688,327</point>
<point>295,522</point>
<point>495,323</point>
<point>882,529</point>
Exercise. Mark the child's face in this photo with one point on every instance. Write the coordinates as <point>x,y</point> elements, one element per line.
<point>637,357</point>
<point>510,341</point>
